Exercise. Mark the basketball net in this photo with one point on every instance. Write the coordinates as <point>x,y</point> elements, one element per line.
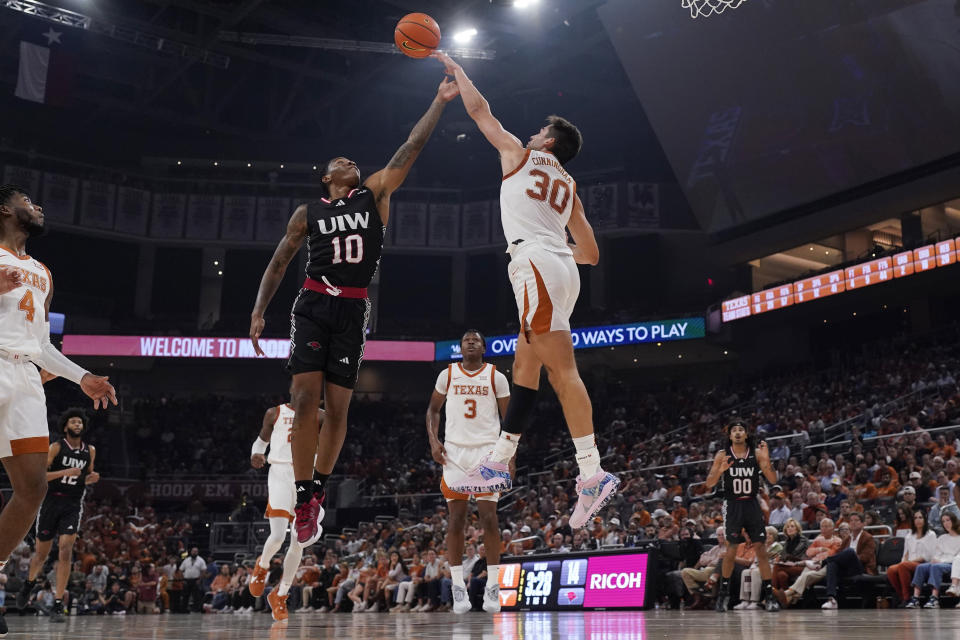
<point>707,8</point>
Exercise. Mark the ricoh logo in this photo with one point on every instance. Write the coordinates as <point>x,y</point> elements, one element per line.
<point>616,580</point>
<point>344,222</point>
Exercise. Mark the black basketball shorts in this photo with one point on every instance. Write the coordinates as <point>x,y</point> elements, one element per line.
<point>327,334</point>
<point>59,516</point>
<point>743,515</point>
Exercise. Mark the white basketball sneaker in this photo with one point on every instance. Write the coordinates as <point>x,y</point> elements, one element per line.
<point>461,600</point>
<point>491,599</point>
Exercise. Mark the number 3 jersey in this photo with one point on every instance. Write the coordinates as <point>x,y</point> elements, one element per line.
<point>23,327</point>
<point>345,239</point>
<point>536,200</point>
<point>472,415</point>
<point>742,480</point>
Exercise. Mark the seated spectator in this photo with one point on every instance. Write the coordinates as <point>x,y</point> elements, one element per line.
<point>943,504</point>
<point>119,599</point>
<point>406,592</point>
<point>146,591</point>
<point>91,601</point>
<point>932,572</point>
<point>220,589</point>
<point>919,546</point>
<point>823,546</point>
<point>859,557</point>
<point>865,491</point>
<point>903,520</point>
<point>751,581</point>
<point>779,511</point>
<point>790,564</point>
<point>888,485</point>
<point>705,574</point>
<point>921,489</point>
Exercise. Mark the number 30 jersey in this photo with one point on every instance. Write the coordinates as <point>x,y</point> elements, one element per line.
<point>536,200</point>
<point>344,239</point>
<point>23,326</point>
<point>742,480</point>
<point>472,414</point>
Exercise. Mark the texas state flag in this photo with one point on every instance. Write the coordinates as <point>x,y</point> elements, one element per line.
<point>46,66</point>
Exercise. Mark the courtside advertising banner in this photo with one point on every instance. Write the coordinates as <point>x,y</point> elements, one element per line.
<point>593,337</point>
<point>230,348</point>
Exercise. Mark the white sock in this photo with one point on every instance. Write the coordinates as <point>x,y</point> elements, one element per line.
<point>456,574</point>
<point>506,447</point>
<point>291,562</point>
<point>588,457</point>
<point>493,575</point>
<point>283,589</point>
<point>278,531</point>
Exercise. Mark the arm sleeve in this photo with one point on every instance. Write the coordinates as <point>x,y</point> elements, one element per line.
<point>441,386</point>
<point>56,363</point>
<point>503,385</point>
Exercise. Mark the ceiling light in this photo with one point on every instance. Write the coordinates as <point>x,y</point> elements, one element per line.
<point>464,36</point>
<point>523,4</point>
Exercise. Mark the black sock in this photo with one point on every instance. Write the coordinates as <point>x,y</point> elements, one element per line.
<point>767,588</point>
<point>522,402</point>
<point>58,604</point>
<point>319,480</point>
<point>304,491</point>
<point>724,585</point>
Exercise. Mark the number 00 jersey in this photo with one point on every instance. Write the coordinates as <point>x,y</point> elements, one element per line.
<point>22,311</point>
<point>742,480</point>
<point>344,239</point>
<point>536,200</point>
<point>280,438</point>
<point>472,415</point>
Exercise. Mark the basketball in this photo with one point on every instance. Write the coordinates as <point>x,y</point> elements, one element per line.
<point>417,35</point>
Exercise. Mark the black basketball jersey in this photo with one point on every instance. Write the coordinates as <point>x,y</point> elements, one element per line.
<point>345,239</point>
<point>68,458</point>
<point>742,480</point>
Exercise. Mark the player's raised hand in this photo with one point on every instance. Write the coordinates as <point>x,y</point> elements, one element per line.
<point>448,90</point>
<point>763,453</point>
<point>449,66</point>
<point>256,328</point>
<point>10,278</point>
<point>257,460</point>
<point>99,389</point>
<point>438,452</point>
<point>725,463</point>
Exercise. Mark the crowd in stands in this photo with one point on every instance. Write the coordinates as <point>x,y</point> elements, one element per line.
<point>860,451</point>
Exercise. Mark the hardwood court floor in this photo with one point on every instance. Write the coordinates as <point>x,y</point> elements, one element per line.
<point>592,625</point>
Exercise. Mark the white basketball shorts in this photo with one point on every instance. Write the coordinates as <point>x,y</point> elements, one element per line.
<point>23,410</point>
<point>546,285</point>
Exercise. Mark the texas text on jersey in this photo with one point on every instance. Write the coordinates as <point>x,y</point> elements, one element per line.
<point>345,239</point>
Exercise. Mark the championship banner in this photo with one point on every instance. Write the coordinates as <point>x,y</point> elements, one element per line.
<point>476,223</point>
<point>411,226</point>
<point>229,348</point>
<point>59,199</point>
<point>169,210</point>
<point>272,217</point>
<point>601,205</point>
<point>203,216</point>
<point>238,212</point>
<point>97,203</point>
<point>133,207</point>
<point>593,337</point>
<point>643,205</point>
<point>444,225</point>
<point>24,178</point>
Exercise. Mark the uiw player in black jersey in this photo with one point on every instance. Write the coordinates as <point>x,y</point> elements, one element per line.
<point>344,234</point>
<point>69,471</point>
<point>737,468</point>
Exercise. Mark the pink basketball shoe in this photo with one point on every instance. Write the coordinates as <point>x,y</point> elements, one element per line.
<point>592,494</point>
<point>486,477</point>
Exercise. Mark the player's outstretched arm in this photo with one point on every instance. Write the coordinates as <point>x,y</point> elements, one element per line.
<point>585,251</point>
<point>479,109</point>
<point>258,451</point>
<point>98,388</point>
<point>288,247</point>
<point>389,179</point>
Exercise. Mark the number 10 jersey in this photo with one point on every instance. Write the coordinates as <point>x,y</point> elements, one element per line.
<point>345,239</point>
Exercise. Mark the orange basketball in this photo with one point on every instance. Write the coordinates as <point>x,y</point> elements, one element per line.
<point>417,35</point>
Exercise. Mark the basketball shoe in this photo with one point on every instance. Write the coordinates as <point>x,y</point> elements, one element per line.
<point>309,516</point>
<point>487,477</point>
<point>461,600</point>
<point>491,598</point>
<point>592,494</point>
<point>258,580</point>
<point>278,605</point>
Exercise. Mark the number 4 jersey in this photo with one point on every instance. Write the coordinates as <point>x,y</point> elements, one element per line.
<point>742,480</point>
<point>23,326</point>
<point>345,239</point>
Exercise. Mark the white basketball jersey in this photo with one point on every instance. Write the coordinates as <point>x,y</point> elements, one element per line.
<point>472,415</point>
<point>536,200</point>
<point>23,327</point>
<point>280,452</point>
